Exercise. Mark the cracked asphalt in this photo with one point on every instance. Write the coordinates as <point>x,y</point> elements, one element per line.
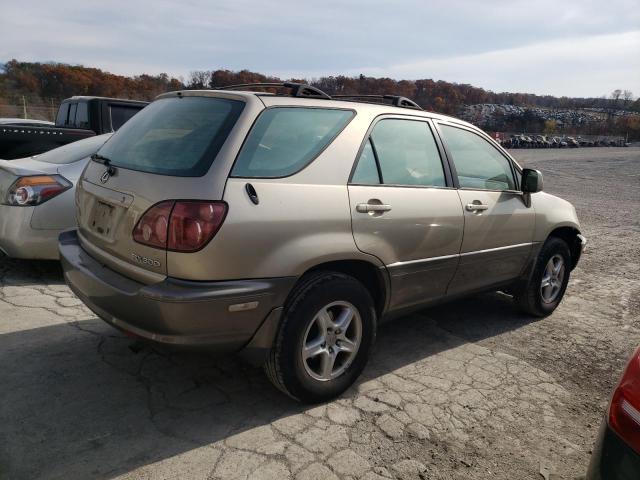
<point>468,390</point>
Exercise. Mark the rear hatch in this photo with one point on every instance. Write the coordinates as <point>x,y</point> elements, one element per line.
<point>165,152</point>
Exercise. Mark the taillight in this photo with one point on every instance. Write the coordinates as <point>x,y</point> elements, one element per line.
<point>624,411</point>
<point>152,227</point>
<point>35,189</point>
<point>181,226</point>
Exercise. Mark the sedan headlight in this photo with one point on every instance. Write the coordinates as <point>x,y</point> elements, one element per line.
<point>35,189</point>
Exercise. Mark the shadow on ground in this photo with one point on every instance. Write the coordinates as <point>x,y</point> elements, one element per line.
<point>78,402</point>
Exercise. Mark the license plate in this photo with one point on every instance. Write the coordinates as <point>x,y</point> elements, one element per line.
<point>102,216</point>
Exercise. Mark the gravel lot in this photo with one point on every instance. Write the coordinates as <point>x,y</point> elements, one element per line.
<point>469,390</point>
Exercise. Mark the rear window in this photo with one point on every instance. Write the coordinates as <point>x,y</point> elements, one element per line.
<point>284,140</point>
<point>178,136</point>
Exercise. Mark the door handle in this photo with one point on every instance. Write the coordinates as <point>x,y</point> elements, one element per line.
<point>372,207</point>
<point>476,207</point>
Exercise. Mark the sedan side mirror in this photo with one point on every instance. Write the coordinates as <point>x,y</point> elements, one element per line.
<point>531,180</point>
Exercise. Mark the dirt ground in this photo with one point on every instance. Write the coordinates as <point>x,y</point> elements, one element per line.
<point>469,390</point>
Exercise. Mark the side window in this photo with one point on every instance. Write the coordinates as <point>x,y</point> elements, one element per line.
<point>63,113</point>
<point>82,115</point>
<point>284,140</point>
<point>71,121</point>
<point>367,171</point>
<point>406,154</point>
<point>120,114</point>
<point>478,163</point>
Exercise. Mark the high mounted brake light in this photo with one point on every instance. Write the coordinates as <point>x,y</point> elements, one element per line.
<point>624,410</point>
<point>180,226</point>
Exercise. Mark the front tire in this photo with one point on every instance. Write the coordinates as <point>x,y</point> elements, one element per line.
<point>326,333</point>
<point>546,286</point>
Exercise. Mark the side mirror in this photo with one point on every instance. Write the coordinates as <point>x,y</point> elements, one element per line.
<point>531,180</point>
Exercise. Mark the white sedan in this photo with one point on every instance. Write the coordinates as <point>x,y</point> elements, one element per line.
<point>37,198</point>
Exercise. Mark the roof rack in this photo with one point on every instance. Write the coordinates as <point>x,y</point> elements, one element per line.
<point>297,89</point>
<point>396,100</point>
<point>304,90</point>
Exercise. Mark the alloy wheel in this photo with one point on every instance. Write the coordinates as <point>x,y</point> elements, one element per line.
<point>552,279</point>
<point>331,341</point>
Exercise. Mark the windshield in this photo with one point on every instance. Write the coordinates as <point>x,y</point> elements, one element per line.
<point>177,136</point>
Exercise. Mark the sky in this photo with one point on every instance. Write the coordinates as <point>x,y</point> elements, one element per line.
<point>577,48</point>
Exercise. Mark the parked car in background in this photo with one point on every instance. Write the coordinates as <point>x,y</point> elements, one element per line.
<point>37,198</point>
<point>289,226</point>
<point>616,455</point>
<point>572,142</point>
<point>77,118</point>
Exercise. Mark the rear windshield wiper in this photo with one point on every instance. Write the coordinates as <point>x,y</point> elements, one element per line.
<point>96,157</point>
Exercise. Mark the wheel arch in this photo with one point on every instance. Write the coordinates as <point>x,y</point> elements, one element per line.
<point>570,235</point>
<point>373,277</point>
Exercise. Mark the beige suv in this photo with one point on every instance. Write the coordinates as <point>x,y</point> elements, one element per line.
<point>288,226</point>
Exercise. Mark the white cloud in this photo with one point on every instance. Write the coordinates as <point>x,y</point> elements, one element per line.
<point>585,66</point>
<point>513,45</point>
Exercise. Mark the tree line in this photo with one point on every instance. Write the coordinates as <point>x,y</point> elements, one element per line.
<point>39,81</point>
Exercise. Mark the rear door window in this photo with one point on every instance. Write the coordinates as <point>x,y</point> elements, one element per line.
<point>177,136</point>
<point>400,152</point>
<point>367,170</point>
<point>284,140</point>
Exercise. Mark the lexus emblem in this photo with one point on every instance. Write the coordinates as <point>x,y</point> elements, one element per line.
<point>105,176</point>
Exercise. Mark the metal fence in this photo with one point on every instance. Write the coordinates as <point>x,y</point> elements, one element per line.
<point>26,109</point>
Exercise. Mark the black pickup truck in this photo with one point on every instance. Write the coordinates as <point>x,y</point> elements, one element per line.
<point>77,118</point>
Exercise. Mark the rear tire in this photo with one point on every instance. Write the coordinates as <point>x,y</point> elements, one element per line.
<point>544,290</point>
<point>313,359</point>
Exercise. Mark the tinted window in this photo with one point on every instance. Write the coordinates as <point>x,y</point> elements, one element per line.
<point>72,115</point>
<point>82,115</point>
<point>407,153</point>
<point>120,114</point>
<point>478,163</point>
<point>63,113</point>
<point>367,171</point>
<point>285,140</point>
<point>174,136</point>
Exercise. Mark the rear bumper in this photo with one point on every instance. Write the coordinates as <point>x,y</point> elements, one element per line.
<point>223,316</point>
